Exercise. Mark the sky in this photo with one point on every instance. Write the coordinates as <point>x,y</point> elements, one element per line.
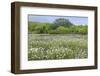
<point>42,18</point>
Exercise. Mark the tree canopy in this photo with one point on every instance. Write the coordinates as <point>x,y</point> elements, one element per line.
<point>61,22</point>
<point>59,26</point>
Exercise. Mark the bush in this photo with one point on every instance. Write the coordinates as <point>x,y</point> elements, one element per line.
<point>62,30</point>
<point>45,28</point>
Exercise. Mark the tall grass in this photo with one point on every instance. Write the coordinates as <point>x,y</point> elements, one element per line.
<point>50,46</point>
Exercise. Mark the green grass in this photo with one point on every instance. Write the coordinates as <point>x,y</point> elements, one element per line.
<point>57,46</point>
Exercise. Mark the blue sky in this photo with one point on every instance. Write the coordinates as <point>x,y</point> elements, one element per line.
<point>42,18</point>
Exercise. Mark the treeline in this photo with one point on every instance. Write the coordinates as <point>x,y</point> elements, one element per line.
<point>59,26</point>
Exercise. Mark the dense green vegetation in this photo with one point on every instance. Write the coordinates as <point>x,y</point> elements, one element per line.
<point>59,26</point>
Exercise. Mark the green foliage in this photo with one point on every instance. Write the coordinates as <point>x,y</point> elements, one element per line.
<point>36,27</point>
<point>62,30</point>
<point>31,26</point>
<point>61,22</point>
<point>53,31</point>
<point>79,29</point>
<point>59,26</point>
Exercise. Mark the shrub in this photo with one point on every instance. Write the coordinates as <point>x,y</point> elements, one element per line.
<point>45,28</point>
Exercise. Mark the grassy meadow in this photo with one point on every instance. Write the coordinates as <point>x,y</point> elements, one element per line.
<point>60,39</point>
<point>66,46</point>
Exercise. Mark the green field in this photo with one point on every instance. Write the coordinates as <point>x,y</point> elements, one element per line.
<point>57,37</point>
<point>57,46</point>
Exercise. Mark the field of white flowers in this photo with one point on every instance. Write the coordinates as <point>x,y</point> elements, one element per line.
<point>57,46</point>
